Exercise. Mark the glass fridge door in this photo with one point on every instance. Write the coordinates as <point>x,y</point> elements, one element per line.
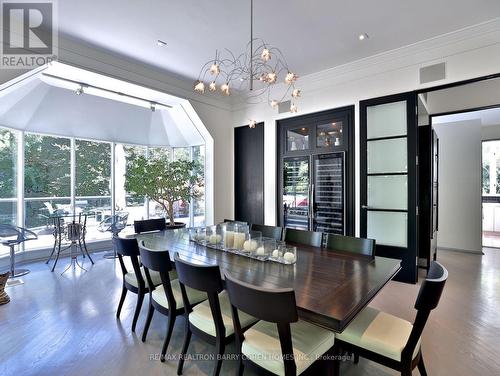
<point>328,193</point>
<point>296,192</point>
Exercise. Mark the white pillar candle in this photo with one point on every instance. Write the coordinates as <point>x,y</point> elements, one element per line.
<point>229,239</point>
<point>239,239</point>
<point>260,251</point>
<point>276,253</point>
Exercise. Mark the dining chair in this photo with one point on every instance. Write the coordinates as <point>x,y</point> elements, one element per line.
<point>351,244</point>
<point>280,343</point>
<point>133,280</point>
<point>167,297</point>
<point>390,340</point>
<point>211,320</point>
<point>147,225</point>
<point>272,232</point>
<point>304,237</point>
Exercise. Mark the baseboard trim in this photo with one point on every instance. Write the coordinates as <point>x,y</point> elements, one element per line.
<point>460,250</point>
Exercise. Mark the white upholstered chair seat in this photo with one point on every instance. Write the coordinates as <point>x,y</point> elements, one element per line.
<point>195,296</point>
<point>155,277</point>
<point>202,318</point>
<point>262,345</point>
<point>379,332</point>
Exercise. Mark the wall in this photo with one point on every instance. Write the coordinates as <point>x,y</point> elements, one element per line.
<point>491,132</point>
<point>460,185</point>
<point>469,53</point>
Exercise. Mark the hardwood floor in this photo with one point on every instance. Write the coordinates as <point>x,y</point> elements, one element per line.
<point>66,325</point>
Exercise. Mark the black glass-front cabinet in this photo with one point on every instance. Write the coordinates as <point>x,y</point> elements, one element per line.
<point>315,162</point>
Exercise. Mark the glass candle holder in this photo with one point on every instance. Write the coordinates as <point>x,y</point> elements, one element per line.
<point>265,248</point>
<point>278,251</point>
<point>228,230</point>
<point>252,240</point>
<point>192,234</point>
<point>289,255</point>
<point>213,236</point>
<point>200,235</point>
<point>240,234</point>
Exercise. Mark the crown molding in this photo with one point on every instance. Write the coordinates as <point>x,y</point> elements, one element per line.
<point>420,53</point>
<point>109,63</point>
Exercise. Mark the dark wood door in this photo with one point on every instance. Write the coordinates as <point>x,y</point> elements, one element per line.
<point>249,174</point>
<point>388,162</point>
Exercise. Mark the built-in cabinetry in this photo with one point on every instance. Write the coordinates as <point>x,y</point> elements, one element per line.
<point>315,172</point>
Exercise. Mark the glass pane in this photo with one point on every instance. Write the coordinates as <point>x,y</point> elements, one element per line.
<point>156,152</point>
<point>329,194</point>
<point>386,120</point>
<point>8,177</point>
<point>181,153</point>
<point>386,156</point>
<point>39,218</point>
<point>295,193</point>
<point>297,139</point>
<point>388,192</point>
<point>330,134</point>
<point>388,228</point>
<point>93,168</point>
<point>199,202</point>
<point>97,209</point>
<point>47,166</point>
<point>132,204</point>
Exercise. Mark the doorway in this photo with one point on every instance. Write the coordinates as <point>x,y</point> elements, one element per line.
<point>490,197</point>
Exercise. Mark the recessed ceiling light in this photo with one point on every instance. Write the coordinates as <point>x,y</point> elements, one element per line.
<point>363,36</point>
<point>161,43</point>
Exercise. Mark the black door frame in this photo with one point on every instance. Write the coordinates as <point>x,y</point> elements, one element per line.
<point>408,255</point>
<point>348,147</point>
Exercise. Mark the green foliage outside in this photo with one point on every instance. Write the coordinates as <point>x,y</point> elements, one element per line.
<point>164,181</point>
<point>8,157</point>
<point>93,168</point>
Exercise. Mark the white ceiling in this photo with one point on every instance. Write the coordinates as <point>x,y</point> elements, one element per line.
<point>488,118</point>
<point>313,35</point>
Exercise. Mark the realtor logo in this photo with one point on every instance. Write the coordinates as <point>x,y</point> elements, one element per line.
<point>29,35</point>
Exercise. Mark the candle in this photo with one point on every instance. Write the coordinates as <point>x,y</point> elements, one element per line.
<point>289,257</point>
<point>276,253</point>
<point>229,239</point>
<point>260,251</point>
<point>239,239</point>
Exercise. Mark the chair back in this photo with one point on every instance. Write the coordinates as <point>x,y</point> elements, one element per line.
<point>160,262</point>
<point>277,305</point>
<point>272,232</point>
<point>304,237</point>
<point>156,260</point>
<point>427,299</point>
<point>128,247</point>
<point>432,287</point>
<point>351,244</point>
<point>147,225</point>
<point>200,277</point>
<point>205,278</point>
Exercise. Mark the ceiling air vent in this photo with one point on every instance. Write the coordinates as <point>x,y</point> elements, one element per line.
<point>284,107</point>
<point>431,73</point>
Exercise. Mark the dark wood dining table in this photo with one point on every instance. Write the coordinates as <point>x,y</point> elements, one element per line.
<point>331,287</point>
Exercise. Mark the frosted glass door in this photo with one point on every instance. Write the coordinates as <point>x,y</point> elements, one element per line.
<point>388,173</point>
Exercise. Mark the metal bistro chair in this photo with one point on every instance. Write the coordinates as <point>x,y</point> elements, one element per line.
<point>10,236</point>
<point>113,224</point>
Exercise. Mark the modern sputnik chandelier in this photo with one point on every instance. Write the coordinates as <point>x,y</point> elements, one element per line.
<point>260,69</point>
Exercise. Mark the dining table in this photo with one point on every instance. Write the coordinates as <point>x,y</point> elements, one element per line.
<point>331,287</point>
